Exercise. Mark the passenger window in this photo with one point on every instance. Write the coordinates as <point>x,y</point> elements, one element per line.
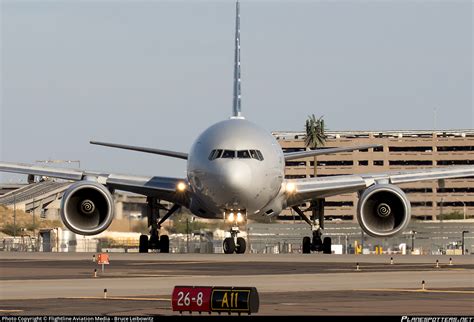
<point>260,155</point>
<point>243,154</point>
<point>253,154</point>
<point>228,154</point>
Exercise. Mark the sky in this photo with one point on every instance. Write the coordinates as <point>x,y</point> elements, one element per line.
<point>158,73</point>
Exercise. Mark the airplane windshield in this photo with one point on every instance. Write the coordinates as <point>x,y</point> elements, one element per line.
<point>240,154</point>
<point>243,154</point>
<point>228,154</point>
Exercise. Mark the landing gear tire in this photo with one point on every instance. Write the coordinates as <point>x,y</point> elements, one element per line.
<point>327,245</point>
<point>241,245</point>
<point>143,244</point>
<point>229,245</point>
<point>317,244</point>
<point>306,245</point>
<point>164,244</point>
<point>154,242</point>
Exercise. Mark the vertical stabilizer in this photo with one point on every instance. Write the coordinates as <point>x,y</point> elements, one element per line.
<point>237,90</point>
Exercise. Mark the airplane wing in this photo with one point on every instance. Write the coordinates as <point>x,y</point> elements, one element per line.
<point>173,154</point>
<point>304,154</point>
<point>310,188</point>
<point>164,188</point>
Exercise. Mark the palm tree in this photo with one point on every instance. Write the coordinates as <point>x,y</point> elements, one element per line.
<point>315,135</point>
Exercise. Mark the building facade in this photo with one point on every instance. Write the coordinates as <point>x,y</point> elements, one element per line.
<point>399,151</point>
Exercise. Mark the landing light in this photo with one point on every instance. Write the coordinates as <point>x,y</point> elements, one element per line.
<point>181,186</point>
<point>290,187</point>
<point>239,217</point>
<point>231,217</point>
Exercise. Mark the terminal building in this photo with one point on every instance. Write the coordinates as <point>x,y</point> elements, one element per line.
<point>399,151</point>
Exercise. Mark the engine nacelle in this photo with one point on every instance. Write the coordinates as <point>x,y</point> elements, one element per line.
<point>383,210</point>
<point>87,208</point>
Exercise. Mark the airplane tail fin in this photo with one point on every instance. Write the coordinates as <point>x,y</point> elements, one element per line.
<point>237,89</point>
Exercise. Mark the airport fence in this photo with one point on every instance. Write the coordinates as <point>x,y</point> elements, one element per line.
<point>264,240</point>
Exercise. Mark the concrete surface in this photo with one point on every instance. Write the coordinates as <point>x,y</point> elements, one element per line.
<point>288,284</point>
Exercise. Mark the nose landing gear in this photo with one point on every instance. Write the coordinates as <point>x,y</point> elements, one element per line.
<point>315,244</point>
<point>234,244</point>
<point>229,245</point>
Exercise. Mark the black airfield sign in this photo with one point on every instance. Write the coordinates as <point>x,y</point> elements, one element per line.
<point>234,299</point>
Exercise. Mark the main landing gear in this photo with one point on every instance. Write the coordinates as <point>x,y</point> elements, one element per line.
<point>155,241</point>
<point>315,244</point>
<point>234,244</point>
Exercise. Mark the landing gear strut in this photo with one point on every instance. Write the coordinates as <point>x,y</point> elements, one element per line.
<point>315,244</point>
<point>161,243</point>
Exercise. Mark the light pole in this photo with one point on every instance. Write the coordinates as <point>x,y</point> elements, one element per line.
<point>441,210</point>
<point>413,233</point>
<point>14,216</point>
<point>187,235</point>
<point>347,239</point>
<point>462,240</point>
<point>34,209</point>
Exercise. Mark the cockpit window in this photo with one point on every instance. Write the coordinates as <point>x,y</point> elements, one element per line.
<point>215,154</point>
<point>243,154</point>
<point>211,155</point>
<point>253,154</point>
<point>228,154</point>
<point>256,154</point>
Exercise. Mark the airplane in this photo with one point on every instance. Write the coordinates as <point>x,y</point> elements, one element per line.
<point>235,172</point>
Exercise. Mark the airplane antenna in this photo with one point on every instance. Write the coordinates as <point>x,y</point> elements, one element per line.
<point>237,90</point>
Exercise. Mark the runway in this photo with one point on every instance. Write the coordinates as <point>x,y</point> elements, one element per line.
<point>287,284</point>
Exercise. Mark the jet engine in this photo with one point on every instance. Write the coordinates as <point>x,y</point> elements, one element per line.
<point>87,208</point>
<point>383,210</point>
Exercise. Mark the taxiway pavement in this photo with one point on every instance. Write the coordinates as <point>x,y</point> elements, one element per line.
<point>287,284</point>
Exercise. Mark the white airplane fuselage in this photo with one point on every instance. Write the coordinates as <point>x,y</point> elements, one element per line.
<point>234,165</point>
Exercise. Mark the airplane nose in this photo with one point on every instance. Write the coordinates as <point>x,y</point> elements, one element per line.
<point>237,176</point>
